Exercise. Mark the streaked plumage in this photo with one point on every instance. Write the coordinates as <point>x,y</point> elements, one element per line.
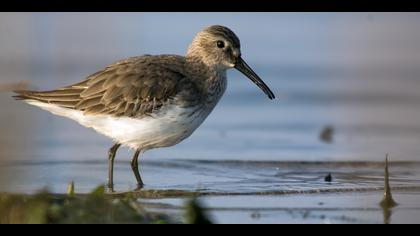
<point>149,101</point>
<point>133,88</point>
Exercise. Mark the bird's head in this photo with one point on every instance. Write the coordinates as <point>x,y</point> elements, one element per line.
<point>218,47</point>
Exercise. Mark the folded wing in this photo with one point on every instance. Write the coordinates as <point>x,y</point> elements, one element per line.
<point>134,87</point>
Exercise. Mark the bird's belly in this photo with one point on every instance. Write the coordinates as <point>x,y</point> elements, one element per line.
<point>161,130</point>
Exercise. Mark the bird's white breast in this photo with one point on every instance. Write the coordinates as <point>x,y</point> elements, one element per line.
<point>165,129</point>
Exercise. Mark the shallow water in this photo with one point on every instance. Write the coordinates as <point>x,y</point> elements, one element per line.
<point>244,191</point>
<point>253,160</point>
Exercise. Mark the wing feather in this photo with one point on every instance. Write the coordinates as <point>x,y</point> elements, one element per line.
<point>134,87</point>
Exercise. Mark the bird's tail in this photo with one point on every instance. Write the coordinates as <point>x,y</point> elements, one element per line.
<point>66,97</point>
<point>23,94</point>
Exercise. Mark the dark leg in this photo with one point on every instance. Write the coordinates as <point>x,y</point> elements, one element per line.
<point>135,168</point>
<point>111,158</point>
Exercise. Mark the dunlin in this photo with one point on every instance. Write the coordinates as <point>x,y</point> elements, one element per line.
<point>149,101</point>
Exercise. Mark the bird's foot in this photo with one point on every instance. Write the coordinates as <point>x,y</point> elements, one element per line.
<point>139,187</point>
<point>110,188</point>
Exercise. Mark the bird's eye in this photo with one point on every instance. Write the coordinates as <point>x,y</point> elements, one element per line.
<point>220,44</point>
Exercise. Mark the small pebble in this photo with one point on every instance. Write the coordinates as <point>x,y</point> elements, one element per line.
<point>255,215</point>
<point>328,178</point>
<point>327,134</point>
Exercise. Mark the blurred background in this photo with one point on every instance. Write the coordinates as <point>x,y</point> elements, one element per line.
<point>348,89</point>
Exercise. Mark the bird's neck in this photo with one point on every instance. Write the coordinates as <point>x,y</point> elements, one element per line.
<point>208,71</point>
<point>211,79</point>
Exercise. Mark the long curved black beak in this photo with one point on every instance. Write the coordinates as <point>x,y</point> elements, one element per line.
<point>246,70</point>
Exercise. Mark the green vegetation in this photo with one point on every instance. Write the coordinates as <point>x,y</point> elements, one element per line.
<point>93,208</point>
<point>387,201</point>
<point>195,213</point>
<point>96,207</point>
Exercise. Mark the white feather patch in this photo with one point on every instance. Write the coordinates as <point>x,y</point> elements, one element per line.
<point>146,133</point>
